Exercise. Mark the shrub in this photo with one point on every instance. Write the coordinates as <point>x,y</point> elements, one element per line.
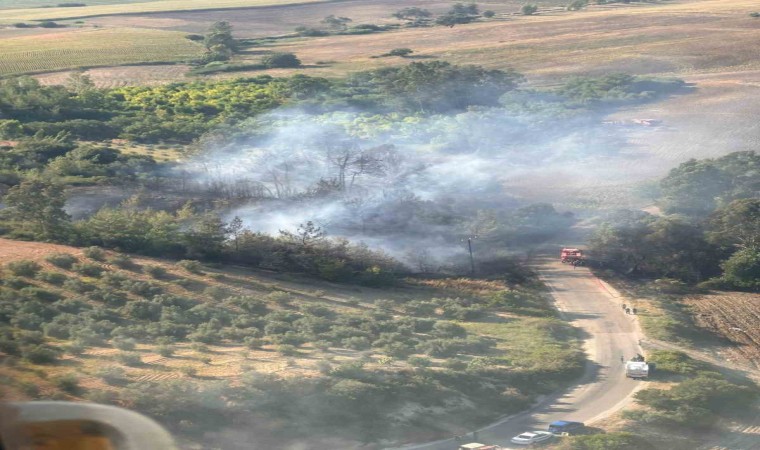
<point>51,277</point>
<point>24,268</point>
<point>78,286</point>
<point>189,371</point>
<point>40,294</point>
<point>67,383</point>
<point>215,292</point>
<point>287,350</point>
<point>488,14</point>
<point>754,14</point>
<point>324,367</point>
<point>88,269</point>
<point>15,283</point>
<point>62,260</point>
<point>529,10</point>
<point>122,261</point>
<point>95,253</point>
<point>165,350</point>
<point>419,361</point>
<point>577,5</point>
<point>402,52</point>
<point>155,271</point>
<point>40,354</point>
<point>113,375</point>
<point>131,359</point>
<point>279,297</point>
<point>253,343</point>
<point>75,348</point>
<point>281,61</point>
<point>191,266</point>
<point>124,344</point>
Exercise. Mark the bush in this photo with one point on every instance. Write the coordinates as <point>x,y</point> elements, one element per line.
<point>40,294</point>
<point>191,266</point>
<point>40,354</point>
<point>402,52</point>
<point>62,260</point>
<point>754,14</point>
<point>529,10</point>
<point>75,349</point>
<point>113,375</point>
<point>287,350</point>
<point>78,286</point>
<point>279,297</point>
<point>157,272</point>
<point>124,344</point>
<point>88,269</point>
<point>577,5</point>
<point>310,32</point>
<point>419,361</point>
<point>95,253</point>
<point>24,268</point>
<point>166,351</point>
<point>131,359</point>
<point>51,277</point>
<point>68,383</point>
<point>15,283</point>
<point>253,343</point>
<point>281,61</point>
<point>488,14</point>
<point>122,261</point>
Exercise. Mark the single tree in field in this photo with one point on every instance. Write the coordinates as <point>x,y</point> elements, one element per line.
<point>306,235</point>
<point>412,13</point>
<point>529,9</point>
<point>39,203</point>
<point>235,228</point>
<point>458,14</point>
<point>219,43</point>
<point>336,23</point>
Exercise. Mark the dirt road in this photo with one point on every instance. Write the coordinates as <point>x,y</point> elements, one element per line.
<point>595,308</point>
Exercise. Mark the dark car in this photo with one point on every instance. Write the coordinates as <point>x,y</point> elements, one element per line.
<point>564,426</point>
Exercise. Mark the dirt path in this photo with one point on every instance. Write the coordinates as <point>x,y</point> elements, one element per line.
<point>595,308</point>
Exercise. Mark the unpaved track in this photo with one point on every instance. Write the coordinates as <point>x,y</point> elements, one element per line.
<point>595,308</point>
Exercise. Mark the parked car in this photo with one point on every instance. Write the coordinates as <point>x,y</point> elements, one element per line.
<point>531,437</point>
<point>565,426</point>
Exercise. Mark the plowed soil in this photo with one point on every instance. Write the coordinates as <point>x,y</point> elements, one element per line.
<point>734,316</point>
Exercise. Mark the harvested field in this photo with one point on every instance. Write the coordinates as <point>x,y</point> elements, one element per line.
<point>93,47</point>
<point>113,77</point>
<point>734,316</point>
<point>277,20</point>
<point>17,15</point>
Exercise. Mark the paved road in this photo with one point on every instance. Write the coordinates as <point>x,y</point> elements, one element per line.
<point>595,308</point>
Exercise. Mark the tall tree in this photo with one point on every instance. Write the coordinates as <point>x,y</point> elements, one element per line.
<point>39,204</point>
<point>220,45</point>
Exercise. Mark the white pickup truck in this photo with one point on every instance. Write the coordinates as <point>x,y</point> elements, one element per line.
<point>636,369</point>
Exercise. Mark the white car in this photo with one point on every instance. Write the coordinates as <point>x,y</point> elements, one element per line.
<point>531,437</point>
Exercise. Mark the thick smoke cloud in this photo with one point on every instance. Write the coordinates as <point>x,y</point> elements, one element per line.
<point>395,182</point>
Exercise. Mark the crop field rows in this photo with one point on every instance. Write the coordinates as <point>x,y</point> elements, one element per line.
<point>118,46</point>
<point>734,316</point>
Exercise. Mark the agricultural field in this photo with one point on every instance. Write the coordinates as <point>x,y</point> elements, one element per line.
<point>733,316</point>
<point>26,4</point>
<point>129,7</point>
<point>93,47</point>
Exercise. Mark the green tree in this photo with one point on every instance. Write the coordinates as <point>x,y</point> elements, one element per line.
<point>336,23</point>
<point>219,43</point>
<point>412,13</point>
<point>742,269</point>
<point>736,225</point>
<point>38,203</point>
<point>281,60</point>
<point>206,238</point>
<point>529,9</point>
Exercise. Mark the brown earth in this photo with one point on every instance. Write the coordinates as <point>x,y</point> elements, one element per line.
<point>734,316</point>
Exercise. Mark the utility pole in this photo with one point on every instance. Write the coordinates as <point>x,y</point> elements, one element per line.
<point>469,247</point>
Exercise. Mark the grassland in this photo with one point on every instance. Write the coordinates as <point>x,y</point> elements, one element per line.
<point>93,47</point>
<point>19,15</point>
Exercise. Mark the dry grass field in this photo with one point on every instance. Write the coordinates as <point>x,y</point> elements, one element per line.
<point>93,47</point>
<point>130,7</point>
